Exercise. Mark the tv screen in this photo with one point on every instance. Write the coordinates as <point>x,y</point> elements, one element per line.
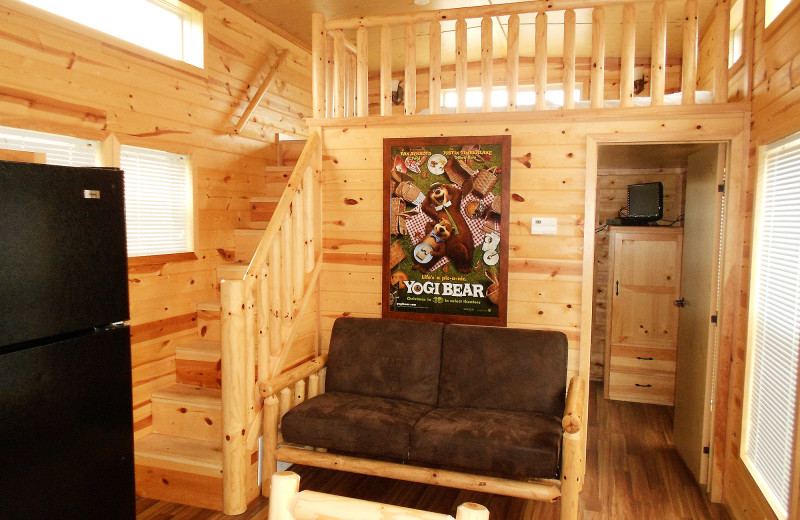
<point>646,201</point>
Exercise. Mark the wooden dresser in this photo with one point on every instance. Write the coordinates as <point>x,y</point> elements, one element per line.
<point>642,323</point>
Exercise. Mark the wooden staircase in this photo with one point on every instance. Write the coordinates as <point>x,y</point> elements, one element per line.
<point>182,459</point>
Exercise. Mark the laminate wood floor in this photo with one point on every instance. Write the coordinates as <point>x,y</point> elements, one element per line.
<point>633,472</point>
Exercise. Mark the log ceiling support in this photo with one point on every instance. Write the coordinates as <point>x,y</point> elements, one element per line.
<point>261,91</point>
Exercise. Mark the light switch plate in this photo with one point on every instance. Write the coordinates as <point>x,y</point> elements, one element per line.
<point>544,226</point>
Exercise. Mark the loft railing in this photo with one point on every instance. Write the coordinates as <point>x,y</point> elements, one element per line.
<point>341,69</point>
<point>260,317</point>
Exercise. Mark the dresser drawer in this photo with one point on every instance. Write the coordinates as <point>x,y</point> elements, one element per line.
<point>641,388</point>
<point>638,360</point>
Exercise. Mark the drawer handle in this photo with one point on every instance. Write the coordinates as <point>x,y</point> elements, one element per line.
<point>644,358</point>
<point>644,386</point>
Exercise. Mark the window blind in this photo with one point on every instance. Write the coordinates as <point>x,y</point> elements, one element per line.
<point>158,207</point>
<point>775,325</point>
<point>58,149</point>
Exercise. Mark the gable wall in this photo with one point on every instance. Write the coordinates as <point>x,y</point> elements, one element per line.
<point>58,77</point>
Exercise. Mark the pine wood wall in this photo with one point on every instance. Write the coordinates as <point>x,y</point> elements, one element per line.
<point>56,76</point>
<point>775,115</point>
<point>545,272</point>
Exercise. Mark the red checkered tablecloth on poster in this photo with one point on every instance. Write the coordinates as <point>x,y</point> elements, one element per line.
<point>416,225</point>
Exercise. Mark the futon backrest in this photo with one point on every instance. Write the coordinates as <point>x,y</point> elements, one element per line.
<point>503,369</point>
<point>382,357</point>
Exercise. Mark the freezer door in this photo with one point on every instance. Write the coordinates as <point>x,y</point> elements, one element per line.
<point>63,258</point>
<point>66,424</point>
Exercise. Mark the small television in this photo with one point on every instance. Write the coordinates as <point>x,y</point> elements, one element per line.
<point>645,202</point>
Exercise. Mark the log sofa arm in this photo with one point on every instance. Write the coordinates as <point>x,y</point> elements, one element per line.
<point>573,411</point>
<point>276,384</point>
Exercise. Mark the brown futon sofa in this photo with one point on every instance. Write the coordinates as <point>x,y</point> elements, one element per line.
<point>471,407</point>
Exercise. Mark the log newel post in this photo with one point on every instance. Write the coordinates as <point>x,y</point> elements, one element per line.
<point>234,401</point>
<point>318,59</point>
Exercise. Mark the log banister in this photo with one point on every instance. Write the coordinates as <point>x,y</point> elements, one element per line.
<point>259,316</point>
<point>357,92</point>
<point>474,12</point>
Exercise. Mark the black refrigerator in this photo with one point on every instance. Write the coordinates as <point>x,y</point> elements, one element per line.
<point>66,419</point>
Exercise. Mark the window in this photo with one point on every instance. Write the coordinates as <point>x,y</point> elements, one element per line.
<point>58,149</point>
<point>168,27</point>
<point>158,201</point>
<point>554,95</point>
<point>736,32</point>
<point>774,325</point>
<point>772,9</point>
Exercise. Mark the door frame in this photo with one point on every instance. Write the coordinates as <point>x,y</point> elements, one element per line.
<point>729,320</point>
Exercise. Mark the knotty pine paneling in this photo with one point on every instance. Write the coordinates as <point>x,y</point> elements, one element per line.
<point>56,76</point>
<point>612,194</point>
<point>545,272</point>
<point>775,115</point>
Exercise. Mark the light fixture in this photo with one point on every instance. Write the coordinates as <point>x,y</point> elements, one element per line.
<point>422,2</point>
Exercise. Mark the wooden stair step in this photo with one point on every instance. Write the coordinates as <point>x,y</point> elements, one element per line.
<point>180,470</point>
<point>261,211</point>
<point>197,362</point>
<point>289,150</point>
<point>245,243</point>
<point>188,411</point>
<point>208,324</point>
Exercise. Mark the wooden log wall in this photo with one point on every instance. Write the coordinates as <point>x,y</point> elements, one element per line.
<point>775,114</point>
<point>612,194</point>
<point>59,77</point>
<point>525,73</point>
<point>548,179</point>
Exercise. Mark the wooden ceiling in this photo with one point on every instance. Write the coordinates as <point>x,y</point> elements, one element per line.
<point>294,17</point>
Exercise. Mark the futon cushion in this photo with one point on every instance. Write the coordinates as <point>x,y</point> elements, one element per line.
<point>363,425</point>
<point>498,442</point>
<point>503,369</point>
<point>397,359</point>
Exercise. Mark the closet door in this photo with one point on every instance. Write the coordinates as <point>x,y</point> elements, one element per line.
<point>643,317</point>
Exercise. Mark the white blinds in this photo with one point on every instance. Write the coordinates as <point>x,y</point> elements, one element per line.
<point>58,149</point>
<point>774,336</point>
<point>158,206</point>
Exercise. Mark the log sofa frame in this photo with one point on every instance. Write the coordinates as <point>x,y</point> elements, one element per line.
<point>287,391</point>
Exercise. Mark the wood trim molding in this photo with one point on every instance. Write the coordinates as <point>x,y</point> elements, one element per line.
<point>138,261</point>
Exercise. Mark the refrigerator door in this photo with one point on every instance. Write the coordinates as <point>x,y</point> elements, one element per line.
<point>63,260</point>
<point>66,424</point>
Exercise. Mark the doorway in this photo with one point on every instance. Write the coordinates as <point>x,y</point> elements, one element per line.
<point>691,175</point>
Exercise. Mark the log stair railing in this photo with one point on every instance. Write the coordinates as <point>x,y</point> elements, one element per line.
<point>340,69</point>
<point>259,317</point>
